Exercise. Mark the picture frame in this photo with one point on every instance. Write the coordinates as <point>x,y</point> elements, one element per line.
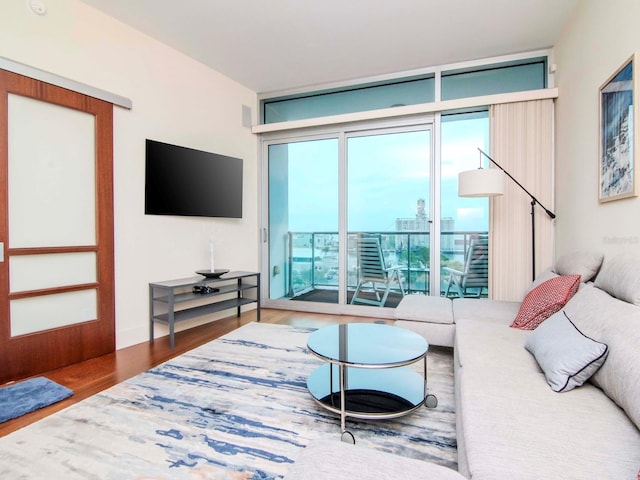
<point>618,134</point>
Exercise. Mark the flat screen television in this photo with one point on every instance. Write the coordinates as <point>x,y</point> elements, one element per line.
<point>184,181</point>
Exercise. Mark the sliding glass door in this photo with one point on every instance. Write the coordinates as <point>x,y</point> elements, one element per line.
<point>303,220</point>
<point>389,199</point>
<point>390,189</point>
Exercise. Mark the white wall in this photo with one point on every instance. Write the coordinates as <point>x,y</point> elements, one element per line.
<point>175,100</point>
<point>600,37</point>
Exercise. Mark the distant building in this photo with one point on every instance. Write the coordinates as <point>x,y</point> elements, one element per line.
<point>421,223</point>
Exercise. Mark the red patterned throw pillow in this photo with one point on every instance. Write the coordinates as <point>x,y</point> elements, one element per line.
<point>545,300</point>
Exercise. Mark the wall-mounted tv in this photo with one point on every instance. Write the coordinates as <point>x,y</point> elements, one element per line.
<point>184,181</point>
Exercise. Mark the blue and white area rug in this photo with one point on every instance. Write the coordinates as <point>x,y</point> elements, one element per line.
<point>236,408</point>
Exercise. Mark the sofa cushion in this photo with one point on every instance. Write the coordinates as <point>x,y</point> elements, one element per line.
<point>440,334</point>
<point>620,278</point>
<point>516,427</point>
<point>545,300</point>
<point>567,357</point>
<point>585,264</point>
<point>425,308</point>
<point>616,323</point>
<point>474,346</point>
<point>485,310</point>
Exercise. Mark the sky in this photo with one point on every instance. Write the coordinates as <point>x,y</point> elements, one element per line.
<point>386,175</point>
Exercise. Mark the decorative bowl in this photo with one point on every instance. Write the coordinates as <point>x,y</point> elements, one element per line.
<point>215,274</point>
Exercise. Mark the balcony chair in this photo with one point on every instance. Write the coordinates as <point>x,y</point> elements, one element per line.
<point>372,271</point>
<point>475,277</point>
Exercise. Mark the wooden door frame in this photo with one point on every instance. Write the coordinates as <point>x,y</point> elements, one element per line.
<point>37,352</point>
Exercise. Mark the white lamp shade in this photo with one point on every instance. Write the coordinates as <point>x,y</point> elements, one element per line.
<point>483,182</point>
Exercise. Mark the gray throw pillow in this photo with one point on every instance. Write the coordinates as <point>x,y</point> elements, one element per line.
<point>620,277</point>
<point>547,274</point>
<point>566,356</point>
<point>585,264</point>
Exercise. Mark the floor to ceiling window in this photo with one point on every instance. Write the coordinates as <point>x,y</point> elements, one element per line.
<point>388,195</point>
<point>464,221</point>
<point>345,192</point>
<point>303,218</point>
<point>325,193</point>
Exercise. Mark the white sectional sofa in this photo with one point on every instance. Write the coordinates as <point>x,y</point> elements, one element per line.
<point>511,424</point>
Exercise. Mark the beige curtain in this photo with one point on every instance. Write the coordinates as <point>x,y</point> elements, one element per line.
<point>521,141</point>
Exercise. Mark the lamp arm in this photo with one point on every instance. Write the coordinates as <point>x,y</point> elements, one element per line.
<point>534,200</point>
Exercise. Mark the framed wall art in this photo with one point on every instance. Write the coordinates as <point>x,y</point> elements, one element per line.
<point>618,134</point>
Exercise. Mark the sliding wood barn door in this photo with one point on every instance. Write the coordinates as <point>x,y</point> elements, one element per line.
<point>56,227</point>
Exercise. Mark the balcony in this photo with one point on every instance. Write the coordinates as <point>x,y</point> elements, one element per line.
<point>313,266</point>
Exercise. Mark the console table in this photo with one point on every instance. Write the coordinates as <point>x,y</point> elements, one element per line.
<point>231,290</point>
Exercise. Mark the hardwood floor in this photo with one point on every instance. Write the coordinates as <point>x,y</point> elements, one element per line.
<point>92,376</point>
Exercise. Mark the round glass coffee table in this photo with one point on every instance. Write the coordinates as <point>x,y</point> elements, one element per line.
<point>367,374</point>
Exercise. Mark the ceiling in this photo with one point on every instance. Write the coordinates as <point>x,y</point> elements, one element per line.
<point>272,45</point>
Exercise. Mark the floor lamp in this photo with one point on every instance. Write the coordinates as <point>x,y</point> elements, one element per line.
<point>490,183</point>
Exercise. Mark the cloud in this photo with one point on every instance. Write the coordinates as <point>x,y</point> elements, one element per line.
<point>471,218</point>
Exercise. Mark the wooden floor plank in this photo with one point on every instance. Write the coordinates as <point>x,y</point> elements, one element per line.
<point>92,376</point>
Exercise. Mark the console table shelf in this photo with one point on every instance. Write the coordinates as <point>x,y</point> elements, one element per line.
<point>187,297</point>
<point>164,296</point>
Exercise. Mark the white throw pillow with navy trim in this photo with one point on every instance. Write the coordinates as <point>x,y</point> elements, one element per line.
<point>566,356</point>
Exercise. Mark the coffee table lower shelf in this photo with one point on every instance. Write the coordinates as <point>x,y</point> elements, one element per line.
<point>369,393</point>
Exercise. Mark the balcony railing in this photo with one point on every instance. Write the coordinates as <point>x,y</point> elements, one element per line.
<point>313,258</point>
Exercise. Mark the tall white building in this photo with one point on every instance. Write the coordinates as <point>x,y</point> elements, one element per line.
<point>421,223</point>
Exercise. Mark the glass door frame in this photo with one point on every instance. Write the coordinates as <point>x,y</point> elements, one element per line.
<point>434,229</point>
<point>264,252</point>
<point>342,132</point>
